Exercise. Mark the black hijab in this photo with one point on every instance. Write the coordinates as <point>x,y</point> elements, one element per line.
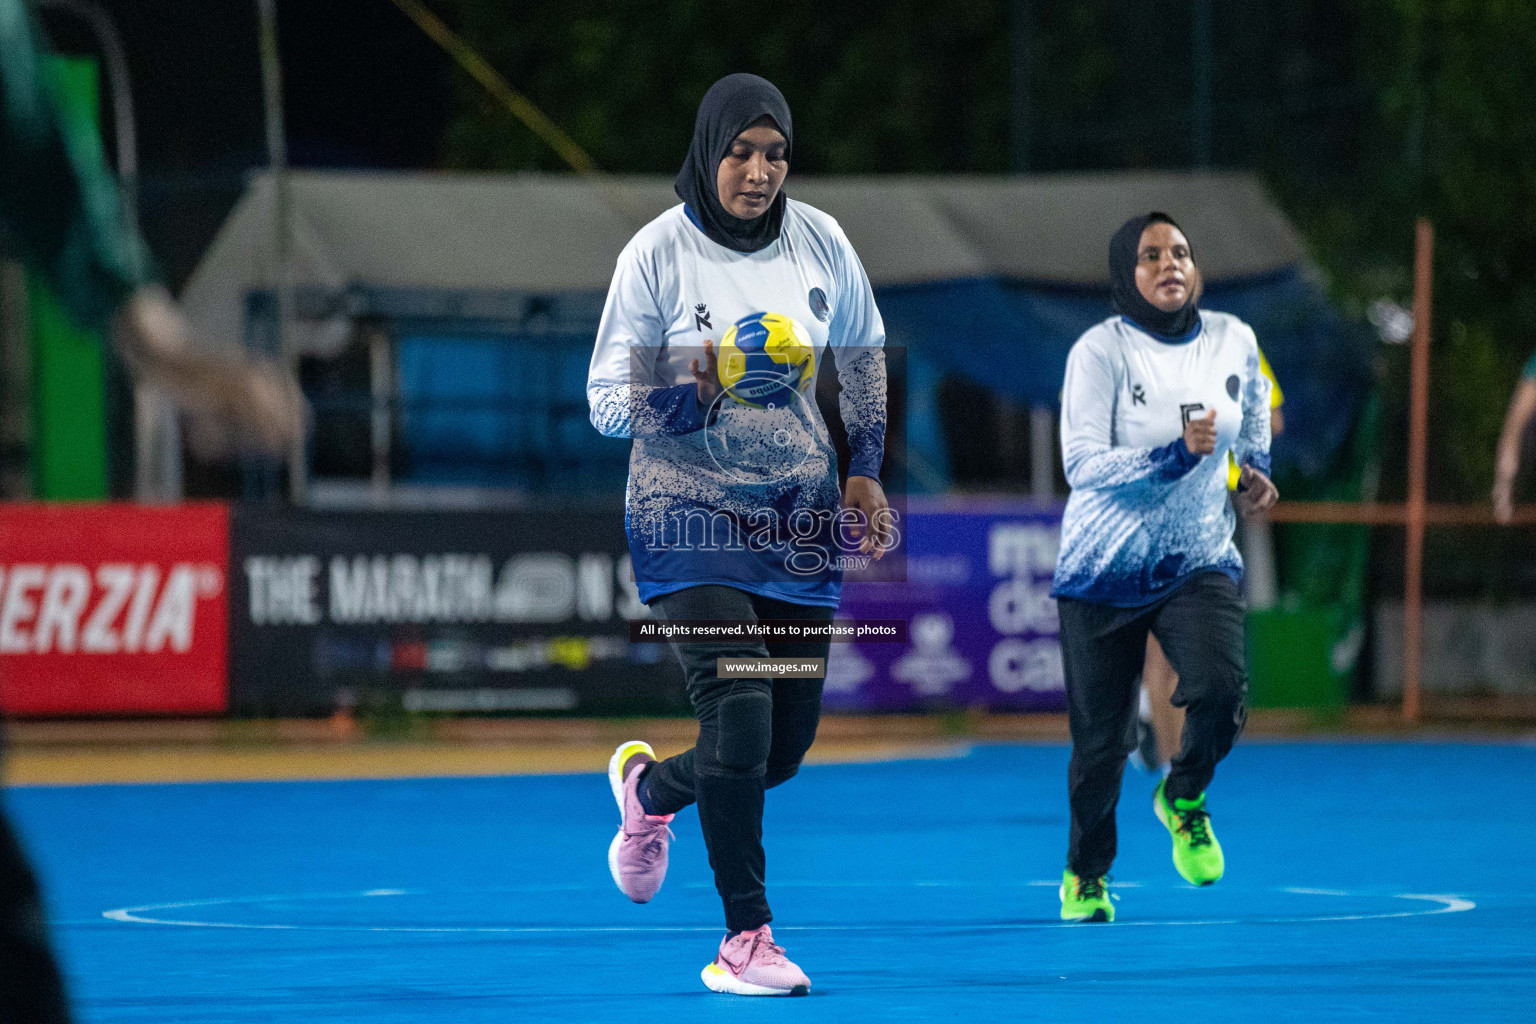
<point>1127,299</point>
<point>728,109</point>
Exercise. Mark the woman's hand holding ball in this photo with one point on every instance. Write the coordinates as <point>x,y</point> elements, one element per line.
<point>708,378</point>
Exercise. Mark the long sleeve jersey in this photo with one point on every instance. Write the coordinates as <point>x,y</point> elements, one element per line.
<point>59,209</point>
<point>735,494</point>
<point>1145,513</point>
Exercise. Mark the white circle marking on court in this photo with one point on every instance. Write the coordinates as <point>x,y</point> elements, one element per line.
<point>1447,904</point>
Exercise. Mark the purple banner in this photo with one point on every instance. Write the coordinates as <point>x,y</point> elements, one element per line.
<point>978,598</point>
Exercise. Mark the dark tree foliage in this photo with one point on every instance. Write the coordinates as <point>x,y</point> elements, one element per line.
<point>1448,133</point>
<point>910,86</point>
<point>874,86</point>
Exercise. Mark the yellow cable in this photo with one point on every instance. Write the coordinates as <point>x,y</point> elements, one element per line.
<point>516,103</point>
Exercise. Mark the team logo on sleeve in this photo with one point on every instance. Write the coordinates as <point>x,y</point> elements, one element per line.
<point>819,307</point>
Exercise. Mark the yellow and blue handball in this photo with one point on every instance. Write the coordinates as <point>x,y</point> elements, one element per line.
<point>764,359</point>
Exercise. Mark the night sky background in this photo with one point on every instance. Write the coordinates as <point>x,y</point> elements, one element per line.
<point>364,87</point>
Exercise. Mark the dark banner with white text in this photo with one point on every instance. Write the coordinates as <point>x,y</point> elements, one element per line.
<point>439,612</point>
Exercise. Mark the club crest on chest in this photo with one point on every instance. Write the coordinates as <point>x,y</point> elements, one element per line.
<point>818,302</point>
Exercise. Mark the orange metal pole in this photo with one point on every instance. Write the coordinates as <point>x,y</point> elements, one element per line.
<point>1418,437</point>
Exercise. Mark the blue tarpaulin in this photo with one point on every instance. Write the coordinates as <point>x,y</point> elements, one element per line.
<point>1013,338</point>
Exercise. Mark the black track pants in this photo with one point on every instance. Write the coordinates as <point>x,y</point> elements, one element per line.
<point>1200,628</point>
<point>753,734</point>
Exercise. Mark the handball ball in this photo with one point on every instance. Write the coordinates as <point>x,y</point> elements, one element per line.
<point>763,358</point>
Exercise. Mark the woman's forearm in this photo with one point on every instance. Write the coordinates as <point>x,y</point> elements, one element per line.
<point>1521,409</point>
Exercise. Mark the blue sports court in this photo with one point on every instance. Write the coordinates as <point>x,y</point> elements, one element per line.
<point>1364,878</point>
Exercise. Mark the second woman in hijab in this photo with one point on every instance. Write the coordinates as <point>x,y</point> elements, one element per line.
<point>731,503</point>
<point>1153,401</point>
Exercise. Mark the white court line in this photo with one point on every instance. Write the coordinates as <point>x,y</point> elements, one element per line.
<point>918,885</point>
<point>1449,904</point>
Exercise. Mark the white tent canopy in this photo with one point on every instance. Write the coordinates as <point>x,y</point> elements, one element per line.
<point>552,233</point>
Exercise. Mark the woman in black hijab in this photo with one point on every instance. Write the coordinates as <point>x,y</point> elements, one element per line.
<point>737,264</point>
<point>733,106</point>
<point>1164,312</point>
<point>1154,401</point>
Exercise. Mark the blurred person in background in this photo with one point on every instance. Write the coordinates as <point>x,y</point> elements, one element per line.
<point>740,262</point>
<point>60,215</point>
<point>1522,408</point>
<point>1154,399</point>
<point>1160,722</point>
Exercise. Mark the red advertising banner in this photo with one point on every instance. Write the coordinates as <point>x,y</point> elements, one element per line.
<point>113,609</point>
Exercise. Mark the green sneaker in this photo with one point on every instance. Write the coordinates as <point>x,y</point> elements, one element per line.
<point>1196,853</point>
<point>1085,899</point>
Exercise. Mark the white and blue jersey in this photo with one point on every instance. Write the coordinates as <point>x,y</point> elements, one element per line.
<point>1145,514</point>
<point>735,495</point>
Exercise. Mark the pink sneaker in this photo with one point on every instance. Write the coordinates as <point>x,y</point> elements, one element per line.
<point>752,964</point>
<point>637,857</point>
